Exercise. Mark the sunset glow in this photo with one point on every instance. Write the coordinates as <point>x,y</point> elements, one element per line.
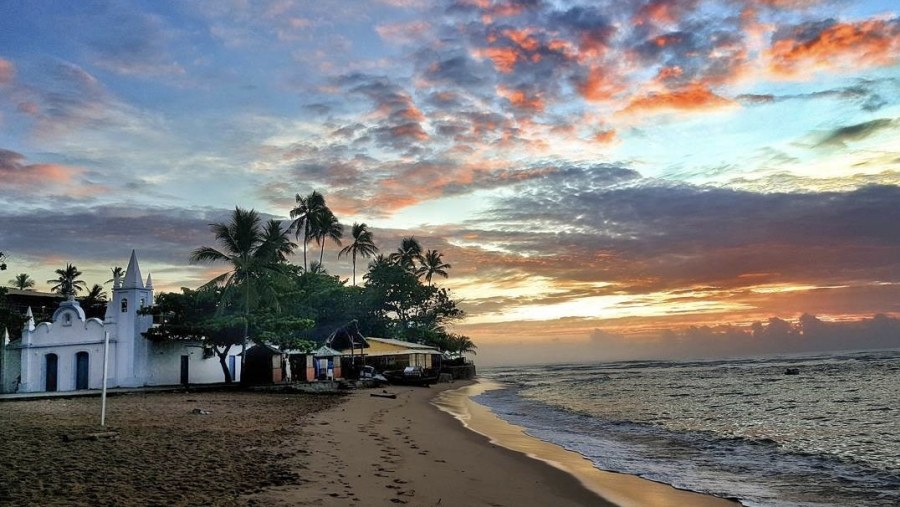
<point>634,167</point>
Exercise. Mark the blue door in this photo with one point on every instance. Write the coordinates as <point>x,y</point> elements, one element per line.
<point>81,370</point>
<point>231,367</point>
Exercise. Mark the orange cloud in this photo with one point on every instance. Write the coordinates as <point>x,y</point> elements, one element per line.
<point>14,171</point>
<point>599,85</point>
<point>875,42</point>
<point>605,136</point>
<point>521,100</point>
<point>693,97</point>
<point>661,12</point>
<point>522,38</point>
<point>504,58</point>
<point>411,130</point>
<point>7,71</point>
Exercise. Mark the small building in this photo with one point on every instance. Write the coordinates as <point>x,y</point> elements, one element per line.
<point>265,364</point>
<point>66,353</point>
<point>385,354</point>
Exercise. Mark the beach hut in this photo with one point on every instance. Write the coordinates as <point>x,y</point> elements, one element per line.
<point>327,363</point>
<point>264,364</point>
<point>387,354</point>
<point>350,343</point>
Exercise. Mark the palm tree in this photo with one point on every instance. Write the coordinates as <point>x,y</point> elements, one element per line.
<point>252,259</point>
<point>362,245</point>
<point>95,297</point>
<point>328,227</point>
<point>117,274</point>
<point>461,344</point>
<point>432,264</point>
<point>307,214</point>
<point>67,283</point>
<point>277,244</point>
<point>409,252</point>
<point>22,282</point>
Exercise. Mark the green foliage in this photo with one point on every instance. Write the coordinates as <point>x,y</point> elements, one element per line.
<point>401,307</point>
<point>9,319</point>
<point>22,281</point>
<point>67,282</point>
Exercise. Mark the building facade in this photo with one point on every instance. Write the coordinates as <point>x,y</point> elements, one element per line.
<point>66,353</point>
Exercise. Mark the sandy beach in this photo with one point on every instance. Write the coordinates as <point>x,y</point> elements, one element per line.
<point>294,449</point>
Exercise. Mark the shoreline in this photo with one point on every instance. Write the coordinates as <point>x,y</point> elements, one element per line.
<point>621,489</point>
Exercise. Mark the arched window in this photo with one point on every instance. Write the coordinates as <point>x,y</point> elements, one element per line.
<point>124,305</point>
<point>67,319</point>
<point>142,302</point>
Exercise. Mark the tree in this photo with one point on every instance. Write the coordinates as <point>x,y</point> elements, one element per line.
<point>22,282</point>
<point>408,254</point>
<point>2,261</point>
<point>400,306</point>
<point>117,274</point>
<point>10,319</point>
<point>67,283</point>
<point>328,227</point>
<point>363,245</point>
<point>253,263</point>
<point>195,315</point>
<point>432,264</point>
<point>94,301</point>
<point>277,244</point>
<point>307,214</point>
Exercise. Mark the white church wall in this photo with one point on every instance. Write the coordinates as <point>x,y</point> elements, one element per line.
<point>166,359</point>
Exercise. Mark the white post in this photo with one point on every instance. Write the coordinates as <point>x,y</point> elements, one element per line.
<point>105,368</point>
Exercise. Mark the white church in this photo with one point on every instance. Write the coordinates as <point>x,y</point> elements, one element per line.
<point>67,353</point>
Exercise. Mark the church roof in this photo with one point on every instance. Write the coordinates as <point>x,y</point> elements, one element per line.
<point>133,278</point>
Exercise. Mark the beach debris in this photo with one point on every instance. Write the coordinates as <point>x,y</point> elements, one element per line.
<point>792,371</point>
<point>200,411</point>
<point>384,395</point>
<point>91,436</point>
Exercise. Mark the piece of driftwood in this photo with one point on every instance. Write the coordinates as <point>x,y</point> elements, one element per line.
<point>384,395</point>
<point>90,436</point>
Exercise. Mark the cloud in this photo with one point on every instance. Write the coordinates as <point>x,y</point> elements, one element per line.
<point>655,235</point>
<point>605,136</point>
<point>7,71</point>
<point>23,181</point>
<point>695,97</point>
<point>839,137</point>
<point>403,33</point>
<point>776,335</point>
<point>521,99</point>
<point>829,45</point>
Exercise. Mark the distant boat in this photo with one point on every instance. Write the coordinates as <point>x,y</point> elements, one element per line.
<point>792,371</point>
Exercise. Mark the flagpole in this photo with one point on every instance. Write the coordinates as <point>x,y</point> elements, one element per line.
<point>105,368</point>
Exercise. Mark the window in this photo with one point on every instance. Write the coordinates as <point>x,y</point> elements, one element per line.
<point>124,305</point>
<point>67,319</point>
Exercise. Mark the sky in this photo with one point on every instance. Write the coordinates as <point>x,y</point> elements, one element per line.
<point>608,178</point>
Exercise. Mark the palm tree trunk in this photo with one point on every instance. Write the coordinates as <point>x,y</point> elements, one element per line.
<point>354,269</point>
<point>246,326</point>
<point>322,252</point>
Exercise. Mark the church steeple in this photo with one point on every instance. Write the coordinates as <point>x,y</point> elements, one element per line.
<point>133,274</point>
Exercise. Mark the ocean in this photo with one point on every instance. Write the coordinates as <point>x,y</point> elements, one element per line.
<point>743,429</point>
